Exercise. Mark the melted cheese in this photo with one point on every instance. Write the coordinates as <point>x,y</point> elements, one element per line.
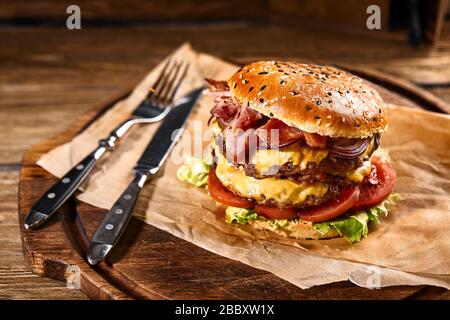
<point>360,173</point>
<point>283,191</point>
<point>268,161</point>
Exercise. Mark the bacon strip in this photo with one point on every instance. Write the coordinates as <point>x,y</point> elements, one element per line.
<point>277,134</point>
<point>247,118</point>
<point>270,133</point>
<point>225,109</point>
<point>218,85</point>
<point>228,112</point>
<point>239,145</point>
<point>315,141</point>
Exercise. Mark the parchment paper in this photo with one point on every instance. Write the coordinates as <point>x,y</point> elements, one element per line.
<point>410,247</point>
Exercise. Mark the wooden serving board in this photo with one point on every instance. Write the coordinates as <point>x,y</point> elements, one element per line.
<point>152,264</point>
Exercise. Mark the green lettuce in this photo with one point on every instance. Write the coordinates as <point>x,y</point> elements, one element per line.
<point>351,227</point>
<point>239,215</point>
<point>195,171</point>
<point>354,227</point>
<point>278,223</point>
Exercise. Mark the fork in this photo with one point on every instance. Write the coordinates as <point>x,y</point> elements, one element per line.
<point>153,108</point>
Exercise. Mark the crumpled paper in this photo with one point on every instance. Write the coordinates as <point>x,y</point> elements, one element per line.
<point>410,247</point>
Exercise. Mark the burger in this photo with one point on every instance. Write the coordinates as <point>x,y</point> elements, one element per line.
<point>295,151</point>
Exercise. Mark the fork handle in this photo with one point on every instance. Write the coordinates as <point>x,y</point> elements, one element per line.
<point>115,222</point>
<point>52,200</point>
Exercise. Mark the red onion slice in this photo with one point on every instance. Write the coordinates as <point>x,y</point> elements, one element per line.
<point>348,148</point>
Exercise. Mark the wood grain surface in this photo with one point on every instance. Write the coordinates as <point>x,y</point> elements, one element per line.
<point>135,270</point>
<point>49,76</point>
<point>152,264</point>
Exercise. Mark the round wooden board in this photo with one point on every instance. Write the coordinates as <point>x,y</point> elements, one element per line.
<point>152,264</point>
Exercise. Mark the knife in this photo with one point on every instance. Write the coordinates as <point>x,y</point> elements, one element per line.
<point>152,159</point>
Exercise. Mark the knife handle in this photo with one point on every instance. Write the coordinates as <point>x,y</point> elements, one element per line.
<point>52,200</point>
<point>55,197</point>
<point>116,220</point>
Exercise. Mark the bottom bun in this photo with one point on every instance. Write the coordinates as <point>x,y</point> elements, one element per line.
<point>298,229</point>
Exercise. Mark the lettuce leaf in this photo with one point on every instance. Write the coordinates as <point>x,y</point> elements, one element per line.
<point>354,227</point>
<point>195,171</point>
<point>239,215</point>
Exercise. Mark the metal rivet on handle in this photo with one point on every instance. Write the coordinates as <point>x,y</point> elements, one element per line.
<point>109,226</point>
<point>118,211</point>
<point>51,195</point>
<point>79,167</point>
<point>66,180</point>
<point>127,196</point>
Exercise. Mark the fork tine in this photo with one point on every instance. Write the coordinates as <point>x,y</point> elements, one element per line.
<point>173,92</point>
<point>157,82</point>
<point>161,98</point>
<point>162,84</point>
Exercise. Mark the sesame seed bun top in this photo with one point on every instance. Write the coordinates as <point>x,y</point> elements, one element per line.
<point>315,99</point>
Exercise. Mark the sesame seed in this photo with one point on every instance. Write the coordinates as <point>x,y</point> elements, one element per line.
<point>308,108</point>
<point>318,102</point>
<point>245,81</point>
<point>261,100</point>
<point>249,90</point>
<point>271,114</point>
<point>262,88</point>
<point>282,82</point>
<point>317,117</point>
<point>263,72</point>
<point>235,84</point>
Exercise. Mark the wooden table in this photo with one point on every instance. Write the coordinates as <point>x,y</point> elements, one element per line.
<point>49,76</point>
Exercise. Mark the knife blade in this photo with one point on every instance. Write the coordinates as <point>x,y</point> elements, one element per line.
<point>152,159</point>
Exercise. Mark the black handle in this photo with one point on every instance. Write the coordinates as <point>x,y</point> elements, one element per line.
<point>61,190</point>
<point>114,224</point>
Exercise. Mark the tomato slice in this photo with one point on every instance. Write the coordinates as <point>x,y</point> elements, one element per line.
<point>276,213</point>
<point>372,194</point>
<point>333,208</point>
<point>221,194</point>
